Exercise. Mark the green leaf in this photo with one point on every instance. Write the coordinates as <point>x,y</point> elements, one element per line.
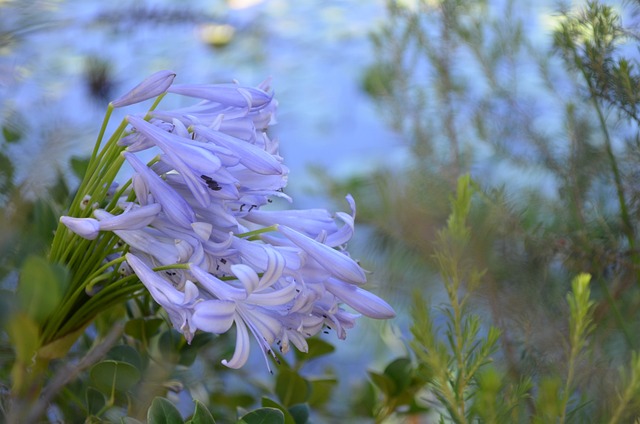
<point>291,388</point>
<point>41,286</point>
<point>383,382</point>
<point>300,413</point>
<point>263,416</point>
<point>79,166</point>
<point>270,403</point>
<point>11,134</point>
<point>142,329</point>
<point>124,353</point>
<point>321,390</point>
<point>24,335</point>
<point>95,400</point>
<point>317,348</point>
<point>162,411</point>
<point>399,371</point>
<point>201,415</point>
<point>109,376</point>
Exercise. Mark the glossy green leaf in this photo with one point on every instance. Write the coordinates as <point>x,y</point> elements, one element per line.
<point>124,353</point>
<point>201,415</point>
<point>162,411</point>
<point>270,403</point>
<point>143,329</point>
<point>317,348</point>
<point>263,416</point>
<point>110,375</point>
<point>95,400</point>
<point>300,413</point>
<point>291,388</point>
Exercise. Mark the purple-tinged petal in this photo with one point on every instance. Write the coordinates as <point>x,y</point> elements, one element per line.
<point>191,292</point>
<point>152,86</point>
<point>250,155</point>
<point>310,222</point>
<point>272,298</point>
<point>148,242</point>
<point>131,219</point>
<point>247,276</point>
<point>215,316</point>
<point>87,228</point>
<point>226,94</point>
<point>361,300</point>
<point>344,234</point>
<point>190,159</point>
<point>241,354</point>
<point>332,260</point>
<point>174,206</point>
<point>215,286</point>
<point>275,267</point>
<point>176,303</point>
<point>202,230</point>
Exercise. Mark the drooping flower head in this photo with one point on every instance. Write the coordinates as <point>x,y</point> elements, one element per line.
<point>281,276</point>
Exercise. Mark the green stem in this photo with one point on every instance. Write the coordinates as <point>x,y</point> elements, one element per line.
<point>624,213</point>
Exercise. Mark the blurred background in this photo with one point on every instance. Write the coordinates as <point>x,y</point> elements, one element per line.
<point>62,61</point>
<point>389,101</point>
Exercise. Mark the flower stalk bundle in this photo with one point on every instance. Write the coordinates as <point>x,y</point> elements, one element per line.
<point>192,227</point>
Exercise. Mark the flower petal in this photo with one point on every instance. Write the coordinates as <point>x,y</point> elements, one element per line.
<point>241,354</point>
<point>361,300</point>
<point>152,86</point>
<point>88,228</point>
<point>215,316</point>
<point>335,262</point>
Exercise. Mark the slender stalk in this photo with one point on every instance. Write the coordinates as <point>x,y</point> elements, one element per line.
<point>622,201</point>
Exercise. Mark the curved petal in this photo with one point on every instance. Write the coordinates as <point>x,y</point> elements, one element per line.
<point>337,263</point>
<point>274,297</point>
<point>215,286</point>
<point>247,276</point>
<point>215,316</point>
<point>241,354</point>
<point>152,86</point>
<point>361,300</point>
<point>88,228</point>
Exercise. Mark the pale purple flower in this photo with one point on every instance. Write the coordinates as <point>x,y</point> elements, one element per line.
<point>133,218</point>
<point>174,206</point>
<point>179,304</point>
<point>337,263</point>
<point>361,300</point>
<point>152,86</point>
<point>200,203</point>
<point>88,228</point>
<point>226,94</point>
<point>251,156</point>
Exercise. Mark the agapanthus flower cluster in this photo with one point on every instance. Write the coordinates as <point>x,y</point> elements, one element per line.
<point>280,275</point>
